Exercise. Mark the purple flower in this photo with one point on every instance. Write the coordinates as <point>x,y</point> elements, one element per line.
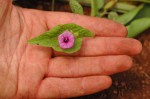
<point>66,40</point>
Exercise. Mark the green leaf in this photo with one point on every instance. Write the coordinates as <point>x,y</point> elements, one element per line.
<point>76,7</point>
<point>145,1</point>
<point>138,26</point>
<point>85,2</point>
<point>50,38</point>
<point>77,30</point>
<point>124,6</point>
<point>45,38</point>
<point>119,10</point>
<point>100,4</point>
<point>127,17</point>
<point>112,15</point>
<point>75,48</point>
<point>96,5</point>
<point>110,4</point>
<point>144,12</point>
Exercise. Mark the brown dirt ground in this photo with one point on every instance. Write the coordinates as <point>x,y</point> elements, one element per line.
<point>133,84</point>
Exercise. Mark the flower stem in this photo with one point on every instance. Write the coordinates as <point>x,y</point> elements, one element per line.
<point>53,5</point>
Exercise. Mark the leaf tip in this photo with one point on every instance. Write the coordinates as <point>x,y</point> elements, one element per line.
<point>31,42</point>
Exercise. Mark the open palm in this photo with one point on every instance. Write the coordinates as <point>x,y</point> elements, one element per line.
<point>29,71</point>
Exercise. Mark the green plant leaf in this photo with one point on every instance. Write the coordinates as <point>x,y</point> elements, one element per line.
<point>100,4</point>
<point>77,30</point>
<point>75,48</point>
<point>112,15</point>
<point>76,7</point>
<point>145,1</point>
<point>138,26</point>
<point>124,6</point>
<point>85,2</point>
<point>144,12</point>
<point>127,17</point>
<point>96,5</point>
<point>50,38</point>
<point>110,4</point>
<point>45,38</point>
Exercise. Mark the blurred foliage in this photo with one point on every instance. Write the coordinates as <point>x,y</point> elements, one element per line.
<point>134,14</point>
<point>131,13</point>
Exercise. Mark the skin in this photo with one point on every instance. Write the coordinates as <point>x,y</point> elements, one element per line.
<point>29,71</point>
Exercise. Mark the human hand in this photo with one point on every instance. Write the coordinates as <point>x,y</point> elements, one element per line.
<point>29,71</point>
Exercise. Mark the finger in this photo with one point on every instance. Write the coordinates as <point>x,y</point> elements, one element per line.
<point>52,88</point>
<point>106,46</point>
<point>101,27</point>
<point>88,66</point>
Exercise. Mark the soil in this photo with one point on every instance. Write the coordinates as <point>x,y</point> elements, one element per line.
<point>132,84</point>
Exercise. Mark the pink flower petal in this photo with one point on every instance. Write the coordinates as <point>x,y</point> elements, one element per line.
<point>66,40</point>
